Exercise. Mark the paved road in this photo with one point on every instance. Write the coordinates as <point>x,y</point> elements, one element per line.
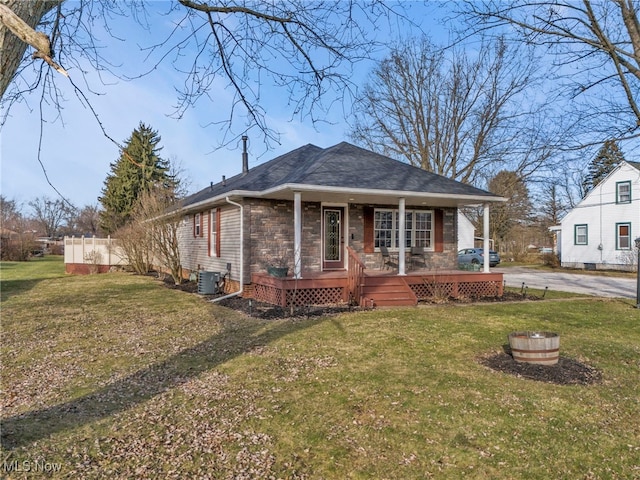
<point>569,282</point>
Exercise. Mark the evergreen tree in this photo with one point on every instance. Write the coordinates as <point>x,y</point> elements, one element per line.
<point>138,169</point>
<point>608,158</point>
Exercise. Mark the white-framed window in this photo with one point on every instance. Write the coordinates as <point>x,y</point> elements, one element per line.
<point>383,228</point>
<point>623,192</point>
<point>423,230</point>
<point>580,235</point>
<point>418,228</point>
<point>623,236</point>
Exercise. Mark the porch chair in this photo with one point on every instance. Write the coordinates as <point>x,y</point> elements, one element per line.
<point>385,257</point>
<point>418,253</point>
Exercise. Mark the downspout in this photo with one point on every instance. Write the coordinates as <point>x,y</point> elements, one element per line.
<point>239,292</point>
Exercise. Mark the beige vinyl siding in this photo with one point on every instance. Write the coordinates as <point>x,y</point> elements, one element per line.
<point>229,242</point>
<point>194,251</point>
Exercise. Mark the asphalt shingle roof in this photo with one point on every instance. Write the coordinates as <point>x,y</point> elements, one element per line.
<point>634,164</point>
<point>342,166</point>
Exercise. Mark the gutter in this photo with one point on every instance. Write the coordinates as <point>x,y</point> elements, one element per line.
<point>239,292</point>
<point>291,187</point>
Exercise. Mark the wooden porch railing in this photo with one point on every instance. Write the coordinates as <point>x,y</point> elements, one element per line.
<point>355,275</point>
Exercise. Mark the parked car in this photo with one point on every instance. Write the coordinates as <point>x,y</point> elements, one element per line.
<point>476,256</point>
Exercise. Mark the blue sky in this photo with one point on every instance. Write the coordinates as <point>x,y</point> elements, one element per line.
<point>76,155</point>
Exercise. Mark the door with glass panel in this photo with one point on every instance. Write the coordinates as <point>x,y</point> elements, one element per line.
<point>332,238</point>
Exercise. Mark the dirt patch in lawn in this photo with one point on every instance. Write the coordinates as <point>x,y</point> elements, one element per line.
<point>566,372</point>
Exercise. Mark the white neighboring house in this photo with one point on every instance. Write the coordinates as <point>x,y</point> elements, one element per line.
<point>599,232</point>
<point>466,232</point>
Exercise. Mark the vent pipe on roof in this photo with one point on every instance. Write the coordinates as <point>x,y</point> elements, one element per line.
<point>245,156</point>
<point>224,181</point>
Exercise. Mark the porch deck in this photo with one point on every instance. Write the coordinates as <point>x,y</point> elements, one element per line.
<point>374,288</point>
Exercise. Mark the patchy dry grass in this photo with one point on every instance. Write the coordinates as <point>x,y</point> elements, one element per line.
<point>115,376</point>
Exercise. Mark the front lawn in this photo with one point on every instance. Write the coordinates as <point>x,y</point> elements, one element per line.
<point>117,376</point>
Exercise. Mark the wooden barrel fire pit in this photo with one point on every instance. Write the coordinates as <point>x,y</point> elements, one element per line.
<point>541,348</point>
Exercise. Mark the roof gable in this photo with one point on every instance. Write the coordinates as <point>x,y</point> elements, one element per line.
<point>605,191</point>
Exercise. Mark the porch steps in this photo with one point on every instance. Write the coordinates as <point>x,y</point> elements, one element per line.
<point>387,291</point>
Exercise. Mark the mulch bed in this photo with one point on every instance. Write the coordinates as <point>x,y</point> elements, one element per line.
<point>262,310</point>
<point>566,372</point>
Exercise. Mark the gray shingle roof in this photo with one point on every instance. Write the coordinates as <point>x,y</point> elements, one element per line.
<point>342,166</point>
<point>634,164</point>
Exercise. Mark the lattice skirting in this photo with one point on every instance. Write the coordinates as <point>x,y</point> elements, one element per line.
<point>479,289</point>
<point>432,290</point>
<point>314,296</point>
<point>267,294</point>
<point>299,297</point>
<point>429,290</point>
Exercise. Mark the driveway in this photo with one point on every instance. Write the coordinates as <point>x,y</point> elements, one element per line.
<point>569,282</point>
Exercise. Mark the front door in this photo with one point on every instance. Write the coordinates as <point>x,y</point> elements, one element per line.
<point>332,238</point>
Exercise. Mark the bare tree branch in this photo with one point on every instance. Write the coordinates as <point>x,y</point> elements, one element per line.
<point>308,49</point>
<point>595,44</point>
<point>18,19</point>
<point>458,116</point>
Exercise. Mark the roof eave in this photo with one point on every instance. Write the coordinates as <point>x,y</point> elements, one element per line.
<point>285,191</point>
<point>355,192</point>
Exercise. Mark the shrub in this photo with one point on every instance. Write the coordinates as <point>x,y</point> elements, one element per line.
<point>551,260</point>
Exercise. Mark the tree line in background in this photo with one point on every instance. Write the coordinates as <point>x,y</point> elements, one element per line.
<point>142,189</point>
<point>138,194</point>
<point>517,102</point>
<point>42,218</point>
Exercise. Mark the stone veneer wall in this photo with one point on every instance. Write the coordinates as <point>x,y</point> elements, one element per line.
<point>270,228</point>
<point>271,233</point>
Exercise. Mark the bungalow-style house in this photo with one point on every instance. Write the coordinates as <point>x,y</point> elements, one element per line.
<point>351,225</point>
<point>599,233</point>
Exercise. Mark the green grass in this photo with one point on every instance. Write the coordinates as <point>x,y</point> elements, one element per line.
<point>20,277</point>
<point>115,376</point>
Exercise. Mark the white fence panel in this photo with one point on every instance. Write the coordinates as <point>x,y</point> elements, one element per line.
<point>92,250</point>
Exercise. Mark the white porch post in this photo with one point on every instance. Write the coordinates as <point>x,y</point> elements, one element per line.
<point>485,236</point>
<point>401,235</point>
<point>297,235</point>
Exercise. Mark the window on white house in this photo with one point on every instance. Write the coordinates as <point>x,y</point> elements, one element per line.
<point>623,236</point>
<point>623,192</point>
<point>418,228</point>
<point>580,234</point>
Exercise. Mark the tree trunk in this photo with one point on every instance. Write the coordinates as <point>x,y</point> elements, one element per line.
<point>16,35</point>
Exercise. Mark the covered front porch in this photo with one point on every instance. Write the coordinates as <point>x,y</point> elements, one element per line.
<point>373,288</point>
